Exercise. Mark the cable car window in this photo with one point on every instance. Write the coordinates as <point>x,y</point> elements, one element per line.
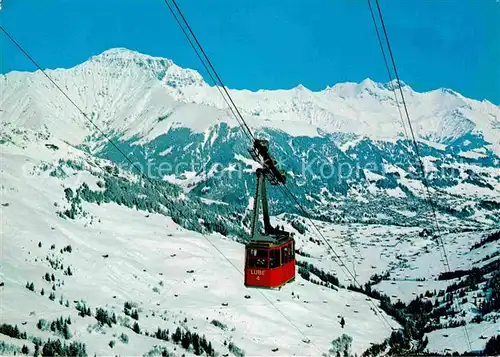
<point>274,258</point>
<point>257,258</point>
<point>285,254</point>
<point>292,251</point>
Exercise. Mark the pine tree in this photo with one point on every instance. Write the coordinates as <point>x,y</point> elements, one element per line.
<point>177,335</point>
<point>77,349</point>
<point>136,328</point>
<point>124,338</point>
<point>40,324</point>
<point>162,334</point>
<point>16,332</point>
<point>196,344</point>
<point>65,332</point>
<point>492,347</point>
<point>103,317</point>
<point>187,340</point>
<point>203,343</point>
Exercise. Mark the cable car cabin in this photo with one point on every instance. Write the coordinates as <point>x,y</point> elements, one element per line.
<point>269,264</point>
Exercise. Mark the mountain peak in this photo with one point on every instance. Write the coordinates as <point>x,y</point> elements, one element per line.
<point>394,84</point>
<point>122,58</point>
<point>353,89</point>
<point>177,76</point>
<point>301,88</point>
<point>448,91</point>
<point>121,53</point>
<point>142,86</point>
<point>368,83</point>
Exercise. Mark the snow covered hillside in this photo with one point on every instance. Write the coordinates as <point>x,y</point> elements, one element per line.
<point>174,277</point>
<point>125,276</point>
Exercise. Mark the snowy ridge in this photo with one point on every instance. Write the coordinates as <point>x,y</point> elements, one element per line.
<point>128,92</point>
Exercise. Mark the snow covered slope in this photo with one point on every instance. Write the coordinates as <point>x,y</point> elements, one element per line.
<point>176,277</point>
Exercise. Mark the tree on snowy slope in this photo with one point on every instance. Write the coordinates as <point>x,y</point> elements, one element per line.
<point>492,346</point>
<point>341,347</point>
<point>160,197</point>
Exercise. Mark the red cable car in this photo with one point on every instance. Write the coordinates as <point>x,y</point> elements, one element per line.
<point>269,257</point>
<point>269,264</point>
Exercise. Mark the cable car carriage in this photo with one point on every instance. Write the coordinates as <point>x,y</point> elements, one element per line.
<point>269,257</point>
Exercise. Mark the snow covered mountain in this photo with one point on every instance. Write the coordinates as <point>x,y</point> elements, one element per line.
<point>150,243</point>
<point>128,91</point>
<point>344,139</point>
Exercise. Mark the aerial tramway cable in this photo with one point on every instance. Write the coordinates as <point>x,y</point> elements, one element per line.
<point>392,87</point>
<point>232,108</point>
<point>414,140</point>
<point>240,118</point>
<point>388,71</point>
<point>287,191</point>
<point>245,127</point>
<point>424,179</point>
<point>145,177</point>
<point>218,83</point>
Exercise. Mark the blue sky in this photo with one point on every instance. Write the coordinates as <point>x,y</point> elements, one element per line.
<point>273,44</point>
